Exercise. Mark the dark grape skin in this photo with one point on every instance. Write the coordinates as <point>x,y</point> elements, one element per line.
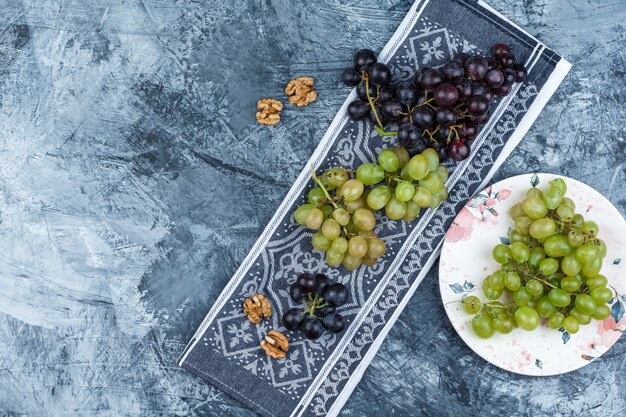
<point>408,135</point>
<point>326,310</point>
<point>476,67</point>
<point>406,94</point>
<point>442,134</point>
<point>362,94</point>
<point>322,282</point>
<point>506,59</point>
<point>461,58</point>
<point>453,71</point>
<point>500,48</point>
<point>520,72</point>
<point>445,116</point>
<point>334,323</point>
<point>385,93</point>
<point>296,293</point>
<point>441,150</point>
<point>468,130</point>
<point>292,319</point>
<point>423,117</point>
<point>489,94</point>
<point>492,63</point>
<point>509,76</point>
<point>363,59</point>
<point>351,77</point>
<point>392,109</point>
<point>312,328</point>
<point>478,89</point>
<point>446,95</point>
<point>494,78</point>
<point>478,105</point>
<point>481,119</point>
<point>465,90</point>
<point>418,147</point>
<point>458,150</point>
<point>431,79</point>
<point>502,91</point>
<point>336,294</point>
<point>306,282</point>
<point>358,110</point>
<point>379,74</point>
<point>417,78</point>
<point>379,112</point>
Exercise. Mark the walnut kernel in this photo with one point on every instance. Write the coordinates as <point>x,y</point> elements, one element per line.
<point>300,91</point>
<point>275,345</point>
<point>257,307</point>
<point>269,111</point>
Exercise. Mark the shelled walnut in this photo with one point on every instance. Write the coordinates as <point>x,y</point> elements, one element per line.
<point>257,307</point>
<point>275,345</point>
<point>269,111</point>
<point>300,91</point>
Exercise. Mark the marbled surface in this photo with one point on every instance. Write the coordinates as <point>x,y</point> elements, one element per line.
<point>134,179</point>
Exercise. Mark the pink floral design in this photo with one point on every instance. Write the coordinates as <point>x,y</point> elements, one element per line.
<point>461,228</point>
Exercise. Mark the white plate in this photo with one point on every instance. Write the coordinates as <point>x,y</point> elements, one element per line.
<point>466,260</point>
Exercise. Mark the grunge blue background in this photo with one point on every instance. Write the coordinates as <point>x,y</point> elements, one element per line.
<point>134,179</point>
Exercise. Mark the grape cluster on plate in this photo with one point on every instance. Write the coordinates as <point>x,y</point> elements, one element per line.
<point>319,299</point>
<point>342,208</point>
<point>551,269</point>
<point>440,108</point>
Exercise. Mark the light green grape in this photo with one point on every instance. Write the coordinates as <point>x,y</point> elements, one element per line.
<point>534,287</point>
<point>542,228</point>
<point>552,197</point>
<point>555,321</point>
<point>471,304</point>
<point>570,284</point>
<point>501,253</point>
<point>363,219</point>
<point>341,216</point>
<point>405,191</point>
<point>602,312</point>
<point>537,255</point>
<point>331,229</point>
<point>388,160</point>
<point>302,213</point>
<point>432,183</point>
<point>442,172</point>
<point>559,184</point>
<point>581,317</point>
<point>403,156</point>
<point>504,324</point>
<point>433,159</point>
<point>522,224</point>
<point>548,266</point>
<point>412,211</point>
<point>521,296</point>
<point>590,227</point>
<point>350,262</point>
<point>586,253</point>
<point>559,297</point>
<point>596,281</point>
<point>339,245</point>
<point>565,212</point>
<point>352,189</point>
<point>422,197</point>
<point>516,211</point>
<point>314,218</point>
<point>395,209</point>
<point>357,246</point>
<point>483,326</point>
<point>320,242</point>
<point>335,177</point>
<point>570,265</point>
<point>527,318</point>
<point>545,308</point>
<point>513,281</point>
<point>333,257</point>
<point>496,280</point>
<point>534,207</point>
<point>438,198</point>
<point>601,295</point>
<point>570,324</point>
<point>556,246</point>
<point>418,166</point>
<point>378,197</point>
<point>575,238</point>
<point>370,174</point>
<point>519,252</point>
<point>315,195</point>
<point>593,268</point>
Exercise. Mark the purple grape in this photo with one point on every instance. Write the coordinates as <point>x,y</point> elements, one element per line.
<point>292,319</point>
<point>306,282</point>
<point>334,323</point>
<point>461,58</point>
<point>465,90</point>
<point>392,109</point>
<point>480,119</point>
<point>469,130</point>
<point>417,78</point>
<point>442,134</point>
<point>478,89</point>
<point>379,74</point>
<point>441,150</point>
<point>296,293</point>
<point>363,59</point>
<point>494,78</point>
<point>458,150</point>
<point>385,93</point>
<point>489,94</point>
<point>431,79</point>
<point>336,294</point>
<point>417,148</point>
<point>312,328</point>
<point>358,110</point>
<point>445,116</point>
<point>446,95</point>
<point>492,63</point>
<point>506,59</point>
<point>500,48</point>
<point>502,91</point>
<point>408,135</point>
<point>379,112</point>
<point>406,94</point>
<point>520,72</point>
<point>326,310</point>
<point>478,105</point>
<point>476,67</point>
<point>509,76</point>
<point>322,283</point>
<point>453,71</point>
<point>362,94</point>
<point>423,117</point>
<point>351,77</point>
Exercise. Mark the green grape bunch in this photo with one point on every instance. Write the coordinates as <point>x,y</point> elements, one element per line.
<point>341,207</point>
<point>550,270</point>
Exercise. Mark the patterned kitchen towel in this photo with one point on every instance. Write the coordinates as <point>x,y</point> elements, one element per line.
<point>316,377</point>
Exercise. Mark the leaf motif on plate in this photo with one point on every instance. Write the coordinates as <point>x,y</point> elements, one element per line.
<point>478,200</point>
<point>565,337</point>
<point>617,311</point>
<point>505,240</point>
<point>617,261</point>
<point>538,363</point>
<point>534,180</point>
<point>457,288</point>
<point>468,286</point>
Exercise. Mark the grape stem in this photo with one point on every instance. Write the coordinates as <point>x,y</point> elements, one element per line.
<point>317,180</point>
<point>379,128</point>
<point>315,303</point>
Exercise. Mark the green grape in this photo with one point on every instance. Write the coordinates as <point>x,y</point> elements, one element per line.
<point>556,282</point>
<point>333,258</point>
<point>351,206</point>
<point>519,252</point>
<point>575,238</point>
<point>352,189</point>
<point>527,318</point>
<point>341,216</point>
<point>587,253</point>
<point>542,228</point>
<point>515,236</point>
<point>320,242</point>
<point>570,265</point>
<point>504,323</point>
<point>418,167</point>
<point>581,317</point>
<point>388,160</point>
<point>404,173</point>
<point>559,297</point>
<point>513,281</point>
<point>302,213</point>
<point>556,246</point>
<point>534,287</point>
<point>593,268</point>
<point>403,156</point>
<point>357,246</point>
<point>552,197</point>
<point>350,262</point>
<point>370,174</point>
<point>522,224</point>
<point>433,159</point>
<point>331,229</point>
<point>585,303</point>
<point>438,197</point>
<point>570,324</point>
<point>565,212</point>
<point>405,191</point>
<point>315,195</point>
<point>491,293</point>
<point>335,177</point>
<point>422,197</point>
<point>596,281</point>
<point>590,227</point>
<point>534,207</point>
<point>496,280</point>
<point>577,221</point>
<point>432,183</point>
<point>601,295</point>
<point>471,304</point>
<point>545,308</point>
<point>395,209</point>
<point>559,184</point>
<point>368,261</point>
<point>570,284</point>
<point>442,172</point>
<point>363,219</point>
<point>516,211</point>
<point>378,197</point>
<point>534,192</point>
<point>602,312</point>
<point>548,266</point>
<point>339,245</point>
<point>536,256</point>
<point>350,227</point>
<point>521,296</point>
<point>569,202</point>
<point>314,218</point>
<point>482,326</point>
<point>412,211</point>
<point>555,321</point>
<point>327,210</point>
<point>376,248</point>
<point>602,248</point>
<point>501,253</point>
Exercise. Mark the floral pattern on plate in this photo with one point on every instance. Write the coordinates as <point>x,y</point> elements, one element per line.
<point>466,260</point>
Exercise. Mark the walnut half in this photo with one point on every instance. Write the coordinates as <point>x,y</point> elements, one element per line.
<point>269,111</point>
<point>300,91</point>
<point>275,345</point>
<point>257,307</point>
